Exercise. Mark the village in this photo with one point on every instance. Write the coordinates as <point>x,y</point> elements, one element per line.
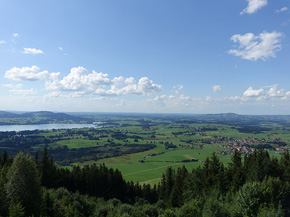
<point>246,145</point>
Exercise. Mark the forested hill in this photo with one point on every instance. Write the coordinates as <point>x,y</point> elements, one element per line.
<point>251,185</point>
<point>40,117</point>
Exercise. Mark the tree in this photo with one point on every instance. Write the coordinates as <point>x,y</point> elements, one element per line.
<point>23,184</point>
<point>48,170</point>
<point>177,192</point>
<point>236,171</point>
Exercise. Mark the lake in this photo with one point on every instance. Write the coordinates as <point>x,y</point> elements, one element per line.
<point>46,126</point>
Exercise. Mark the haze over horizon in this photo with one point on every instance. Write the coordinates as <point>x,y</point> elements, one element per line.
<point>145,56</point>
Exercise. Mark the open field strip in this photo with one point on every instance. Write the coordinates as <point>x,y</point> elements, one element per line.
<point>152,182</point>
<point>150,169</point>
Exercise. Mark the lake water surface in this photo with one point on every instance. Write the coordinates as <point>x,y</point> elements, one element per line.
<point>45,127</point>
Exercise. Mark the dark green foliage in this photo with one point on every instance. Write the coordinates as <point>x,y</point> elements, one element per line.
<point>284,164</point>
<point>3,196</point>
<point>259,186</point>
<point>16,210</point>
<point>270,212</point>
<point>168,213</point>
<point>47,170</point>
<point>23,184</point>
<point>214,208</point>
<point>67,203</point>
<point>191,209</point>
<point>235,174</point>
<point>47,207</point>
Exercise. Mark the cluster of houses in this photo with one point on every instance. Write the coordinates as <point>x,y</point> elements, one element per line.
<point>244,145</point>
<point>239,141</point>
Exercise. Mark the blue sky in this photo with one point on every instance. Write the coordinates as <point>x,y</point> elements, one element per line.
<point>145,56</point>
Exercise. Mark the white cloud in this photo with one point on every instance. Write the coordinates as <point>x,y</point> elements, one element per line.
<point>29,74</point>
<point>178,88</point>
<point>216,88</point>
<point>53,94</point>
<point>233,98</point>
<point>172,101</point>
<point>281,10</point>
<point>254,5</point>
<point>15,35</point>
<point>17,86</point>
<point>81,82</point>
<point>253,47</point>
<point>2,42</point>
<point>78,80</point>
<point>32,51</point>
<point>250,92</point>
<point>60,48</point>
<point>265,93</point>
<point>17,89</point>
<point>23,92</point>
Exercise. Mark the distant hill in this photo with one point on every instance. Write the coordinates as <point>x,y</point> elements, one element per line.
<point>40,117</point>
<point>4,114</point>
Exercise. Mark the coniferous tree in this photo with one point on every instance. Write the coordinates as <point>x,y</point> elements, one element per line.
<point>47,170</point>
<point>236,171</point>
<point>284,165</point>
<point>177,197</point>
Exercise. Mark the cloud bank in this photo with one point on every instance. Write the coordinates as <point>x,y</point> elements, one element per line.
<point>80,82</point>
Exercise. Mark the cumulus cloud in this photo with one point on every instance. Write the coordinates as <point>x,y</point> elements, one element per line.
<point>281,10</point>
<point>29,74</point>
<point>15,35</point>
<point>250,92</point>
<point>78,80</point>
<point>253,47</point>
<point>2,42</point>
<point>216,88</point>
<point>81,82</point>
<point>33,51</point>
<point>254,5</point>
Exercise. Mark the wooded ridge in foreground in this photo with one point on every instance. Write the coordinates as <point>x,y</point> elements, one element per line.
<point>255,186</point>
